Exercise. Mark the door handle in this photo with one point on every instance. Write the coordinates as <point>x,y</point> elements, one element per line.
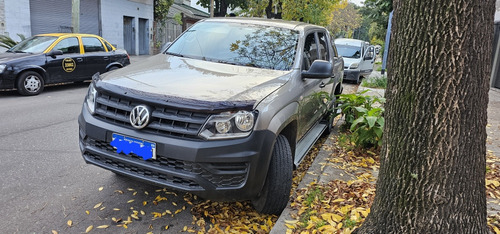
<point>106,58</point>
<point>79,59</point>
<point>322,85</point>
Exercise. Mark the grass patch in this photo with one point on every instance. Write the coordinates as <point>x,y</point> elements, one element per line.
<point>375,82</point>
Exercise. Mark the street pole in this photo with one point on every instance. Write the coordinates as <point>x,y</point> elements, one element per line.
<point>75,15</point>
<point>211,8</point>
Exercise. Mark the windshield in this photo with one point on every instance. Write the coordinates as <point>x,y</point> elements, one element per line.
<point>35,44</point>
<point>349,51</point>
<point>239,44</point>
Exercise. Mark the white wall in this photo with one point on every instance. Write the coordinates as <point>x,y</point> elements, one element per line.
<point>112,12</point>
<point>17,18</point>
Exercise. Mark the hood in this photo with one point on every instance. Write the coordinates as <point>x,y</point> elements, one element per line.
<point>172,77</point>
<point>9,57</point>
<point>349,61</point>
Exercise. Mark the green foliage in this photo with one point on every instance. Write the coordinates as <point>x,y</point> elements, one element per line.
<point>178,18</point>
<point>221,6</point>
<point>313,195</point>
<point>161,8</point>
<point>364,118</point>
<point>7,42</point>
<point>345,20</point>
<point>349,223</point>
<point>375,82</point>
<point>311,11</point>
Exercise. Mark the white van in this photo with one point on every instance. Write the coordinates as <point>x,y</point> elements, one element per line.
<point>359,57</point>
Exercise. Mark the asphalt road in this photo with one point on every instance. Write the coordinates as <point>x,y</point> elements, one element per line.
<point>46,185</point>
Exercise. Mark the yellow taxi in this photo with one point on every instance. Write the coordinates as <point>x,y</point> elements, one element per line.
<point>57,58</point>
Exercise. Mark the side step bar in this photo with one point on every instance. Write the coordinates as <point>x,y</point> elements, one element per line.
<point>304,145</point>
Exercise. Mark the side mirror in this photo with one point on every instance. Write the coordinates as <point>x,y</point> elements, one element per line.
<point>320,69</point>
<point>54,53</point>
<point>369,54</point>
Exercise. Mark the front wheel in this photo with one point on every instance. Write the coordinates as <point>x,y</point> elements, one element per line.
<point>30,83</point>
<point>276,192</point>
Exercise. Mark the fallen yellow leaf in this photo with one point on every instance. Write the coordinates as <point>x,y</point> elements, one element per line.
<point>87,212</point>
<point>89,228</point>
<point>101,188</point>
<point>70,223</point>
<point>130,201</point>
<point>54,232</point>
<point>103,226</point>
<point>97,205</point>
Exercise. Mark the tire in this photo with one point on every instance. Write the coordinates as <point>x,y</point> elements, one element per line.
<point>113,68</point>
<point>276,191</point>
<point>30,83</point>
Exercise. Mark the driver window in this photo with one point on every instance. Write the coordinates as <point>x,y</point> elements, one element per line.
<point>310,52</point>
<point>68,46</point>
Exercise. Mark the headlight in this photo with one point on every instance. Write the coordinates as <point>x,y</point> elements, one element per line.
<point>2,68</point>
<point>91,98</point>
<point>228,125</point>
<point>354,66</point>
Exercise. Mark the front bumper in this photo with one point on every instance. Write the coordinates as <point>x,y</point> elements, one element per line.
<point>218,170</point>
<point>6,81</point>
<point>350,74</point>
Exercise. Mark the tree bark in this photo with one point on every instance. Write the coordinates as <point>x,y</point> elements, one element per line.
<point>432,173</point>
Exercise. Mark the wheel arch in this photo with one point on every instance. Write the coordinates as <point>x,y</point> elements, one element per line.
<point>285,123</point>
<point>113,64</point>
<point>36,69</point>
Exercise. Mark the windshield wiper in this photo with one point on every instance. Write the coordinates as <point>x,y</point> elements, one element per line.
<point>174,54</point>
<point>18,51</point>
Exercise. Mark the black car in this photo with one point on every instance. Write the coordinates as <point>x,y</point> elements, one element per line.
<point>57,58</point>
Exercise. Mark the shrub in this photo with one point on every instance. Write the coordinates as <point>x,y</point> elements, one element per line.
<point>7,42</point>
<point>364,117</point>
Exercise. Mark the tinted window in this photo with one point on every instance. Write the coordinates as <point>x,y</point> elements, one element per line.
<point>92,44</point>
<point>240,44</point>
<point>68,45</point>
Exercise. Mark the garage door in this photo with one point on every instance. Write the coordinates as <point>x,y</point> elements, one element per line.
<point>53,16</point>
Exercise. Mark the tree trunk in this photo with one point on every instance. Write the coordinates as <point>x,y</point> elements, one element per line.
<point>432,173</point>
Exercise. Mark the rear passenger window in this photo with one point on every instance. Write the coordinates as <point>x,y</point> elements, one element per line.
<point>92,44</point>
<point>68,46</point>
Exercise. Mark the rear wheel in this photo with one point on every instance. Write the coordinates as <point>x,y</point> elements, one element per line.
<point>276,192</point>
<point>113,68</point>
<point>30,83</point>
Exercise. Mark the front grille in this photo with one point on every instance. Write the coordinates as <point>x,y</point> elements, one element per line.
<point>164,120</point>
<point>221,175</point>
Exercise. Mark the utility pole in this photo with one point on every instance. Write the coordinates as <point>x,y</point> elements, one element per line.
<point>75,15</point>
<point>211,8</point>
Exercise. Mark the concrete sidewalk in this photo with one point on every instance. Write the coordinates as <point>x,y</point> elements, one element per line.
<point>325,174</point>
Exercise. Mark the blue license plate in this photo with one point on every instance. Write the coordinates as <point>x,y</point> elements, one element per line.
<point>129,145</point>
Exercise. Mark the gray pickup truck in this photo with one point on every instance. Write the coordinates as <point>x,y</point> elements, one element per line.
<point>226,112</point>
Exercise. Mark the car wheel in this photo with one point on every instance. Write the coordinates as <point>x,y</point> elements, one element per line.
<point>113,68</point>
<point>30,83</point>
<point>358,79</point>
<point>276,192</point>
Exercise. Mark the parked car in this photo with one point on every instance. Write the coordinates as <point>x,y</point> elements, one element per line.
<point>57,58</point>
<point>359,58</point>
<point>227,112</point>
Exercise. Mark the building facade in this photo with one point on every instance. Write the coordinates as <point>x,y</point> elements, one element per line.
<point>127,24</point>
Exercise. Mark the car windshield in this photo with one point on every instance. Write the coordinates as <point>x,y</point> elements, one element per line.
<point>36,44</point>
<point>238,44</point>
<point>348,51</point>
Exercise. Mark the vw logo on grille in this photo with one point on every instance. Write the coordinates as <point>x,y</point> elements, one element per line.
<point>139,117</point>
